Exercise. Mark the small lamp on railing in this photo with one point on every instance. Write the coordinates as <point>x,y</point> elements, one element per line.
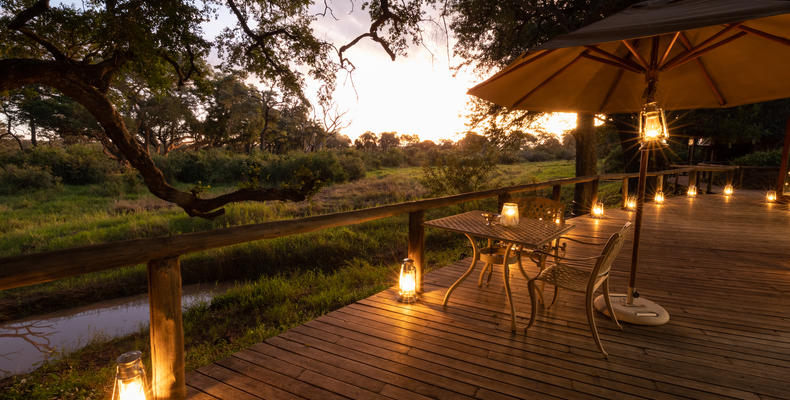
<point>597,210</point>
<point>692,191</point>
<point>770,196</point>
<point>407,282</point>
<point>630,204</point>
<point>130,380</point>
<point>509,214</point>
<point>659,197</point>
<point>728,190</point>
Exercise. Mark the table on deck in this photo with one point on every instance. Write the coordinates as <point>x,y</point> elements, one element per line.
<point>529,233</point>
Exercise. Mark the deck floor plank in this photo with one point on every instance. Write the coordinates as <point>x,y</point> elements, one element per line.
<point>721,267</point>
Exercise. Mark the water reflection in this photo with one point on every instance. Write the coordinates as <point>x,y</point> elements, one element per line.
<point>24,344</point>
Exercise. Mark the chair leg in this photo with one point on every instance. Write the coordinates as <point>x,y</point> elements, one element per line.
<point>556,296</point>
<point>490,272</point>
<point>609,304</point>
<point>482,273</point>
<point>506,279</point>
<point>532,288</point>
<point>591,321</point>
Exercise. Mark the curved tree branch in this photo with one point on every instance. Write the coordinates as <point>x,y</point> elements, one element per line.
<point>79,83</point>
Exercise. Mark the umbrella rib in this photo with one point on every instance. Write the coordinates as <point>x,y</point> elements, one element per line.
<point>697,54</point>
<point>708,79</point>
<point>547,80</point>
<point>699,46</point>
<point>636,54</point>
<point>617,78</point>
<point>765,35</point>
<point>612,63</point>
<point>669,48</point>
<point>625,63</point>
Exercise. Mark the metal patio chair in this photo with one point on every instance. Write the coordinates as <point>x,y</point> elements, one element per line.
<point>580,279</point>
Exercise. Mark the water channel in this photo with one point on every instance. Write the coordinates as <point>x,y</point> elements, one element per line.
<point>26,343</point>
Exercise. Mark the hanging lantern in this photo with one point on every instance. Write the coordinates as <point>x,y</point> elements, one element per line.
<point>509,214</point>
<point>130,380</point>
<point>728,190</point>
<point>407,283</point>
<point>597,210</point>
<point>692,192</point>
<point>770,196</point>
<point>659,197</point>
<point>630,204</point>
<point>652,125</point>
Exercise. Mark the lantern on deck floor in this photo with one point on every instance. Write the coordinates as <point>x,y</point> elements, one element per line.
<point>407,282</point>
<point>659,197</point>
<point>652,125</point>
<point>130,380</point>
<point>770,196</point>
<point>630,204</point>
<point>728,190</point>
<point>692,191</point>
<point>597,210</point>
<point>509,214</point>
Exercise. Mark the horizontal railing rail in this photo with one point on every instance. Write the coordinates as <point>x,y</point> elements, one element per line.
<point>162,257</point>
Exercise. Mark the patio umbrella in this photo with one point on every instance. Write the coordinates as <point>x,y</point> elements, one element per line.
<point>678,54</point>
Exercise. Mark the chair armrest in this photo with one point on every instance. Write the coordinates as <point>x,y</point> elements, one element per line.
<point>558,257</point>
<point>581,241</point>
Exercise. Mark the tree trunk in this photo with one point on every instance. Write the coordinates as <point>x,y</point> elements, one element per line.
<point>586,161</point>
<point>33,139</point>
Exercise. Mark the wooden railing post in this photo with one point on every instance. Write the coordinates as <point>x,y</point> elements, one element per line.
<point>167,331</point>
<point>502,199</point>
<point>594,198</point>
<point>659,182</point>
<point>417,245</point>
<point>692,178</point>
<point>556,192</point>
<point>625,192</point>
<point>709,190</point>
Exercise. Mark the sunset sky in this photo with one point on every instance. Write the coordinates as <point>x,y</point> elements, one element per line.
<point>416,94</point>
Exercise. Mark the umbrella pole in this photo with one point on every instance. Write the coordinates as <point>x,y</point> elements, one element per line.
<point>630,307</point>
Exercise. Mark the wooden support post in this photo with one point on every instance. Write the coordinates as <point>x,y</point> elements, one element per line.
<point>502,199</point>
<point>675,184</point>
<point>594,198</point>
<point>693,178</point>
<point>417,245</point>
<point>167,332</point>
<point>556,192</point>
<point>780,181</point>
<point>625,192</point>
<point>660,182</point>
<point>710,183</point>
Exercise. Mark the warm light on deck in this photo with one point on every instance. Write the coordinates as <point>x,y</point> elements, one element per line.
<point>770,196</point>
<point>659,197</point>
<point>509,214</point>
<point>692,191</point>
<point>630,204</point>
<point>407,282</point>
<point>728,190</point>
<point>130,380</point>
<point>597,210</point>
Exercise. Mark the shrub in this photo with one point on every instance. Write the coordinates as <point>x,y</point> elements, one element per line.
<point>771,158</point>
<point>76,164</point>
<point>14,179</point>
<point>354,166</point>
<point>458,174</point>
<point>208,166</point>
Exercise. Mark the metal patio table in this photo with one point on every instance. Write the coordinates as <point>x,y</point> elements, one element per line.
<point>529,234</point>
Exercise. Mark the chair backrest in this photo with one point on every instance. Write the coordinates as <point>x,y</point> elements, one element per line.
<point>608,254</point>
<point>541,208</point>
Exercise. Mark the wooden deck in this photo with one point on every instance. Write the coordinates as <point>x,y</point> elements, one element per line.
<point>721,267</point>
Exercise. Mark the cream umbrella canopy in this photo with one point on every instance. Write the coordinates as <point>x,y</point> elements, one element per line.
<point>679,54</point>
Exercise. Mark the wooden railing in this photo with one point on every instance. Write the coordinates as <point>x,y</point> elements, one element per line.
<point>164,272</point>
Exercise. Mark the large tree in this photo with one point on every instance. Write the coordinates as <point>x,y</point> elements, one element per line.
<point>84,51</point>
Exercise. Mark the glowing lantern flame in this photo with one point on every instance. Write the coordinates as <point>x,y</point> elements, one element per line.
<point>130,381</point>
<point>728,190</point>
<point>771,195</point>
<point>407,282</point>
<point>630,204</point>
<point>597,210</point>
<point>692,192</point>
<point>659,197</point>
